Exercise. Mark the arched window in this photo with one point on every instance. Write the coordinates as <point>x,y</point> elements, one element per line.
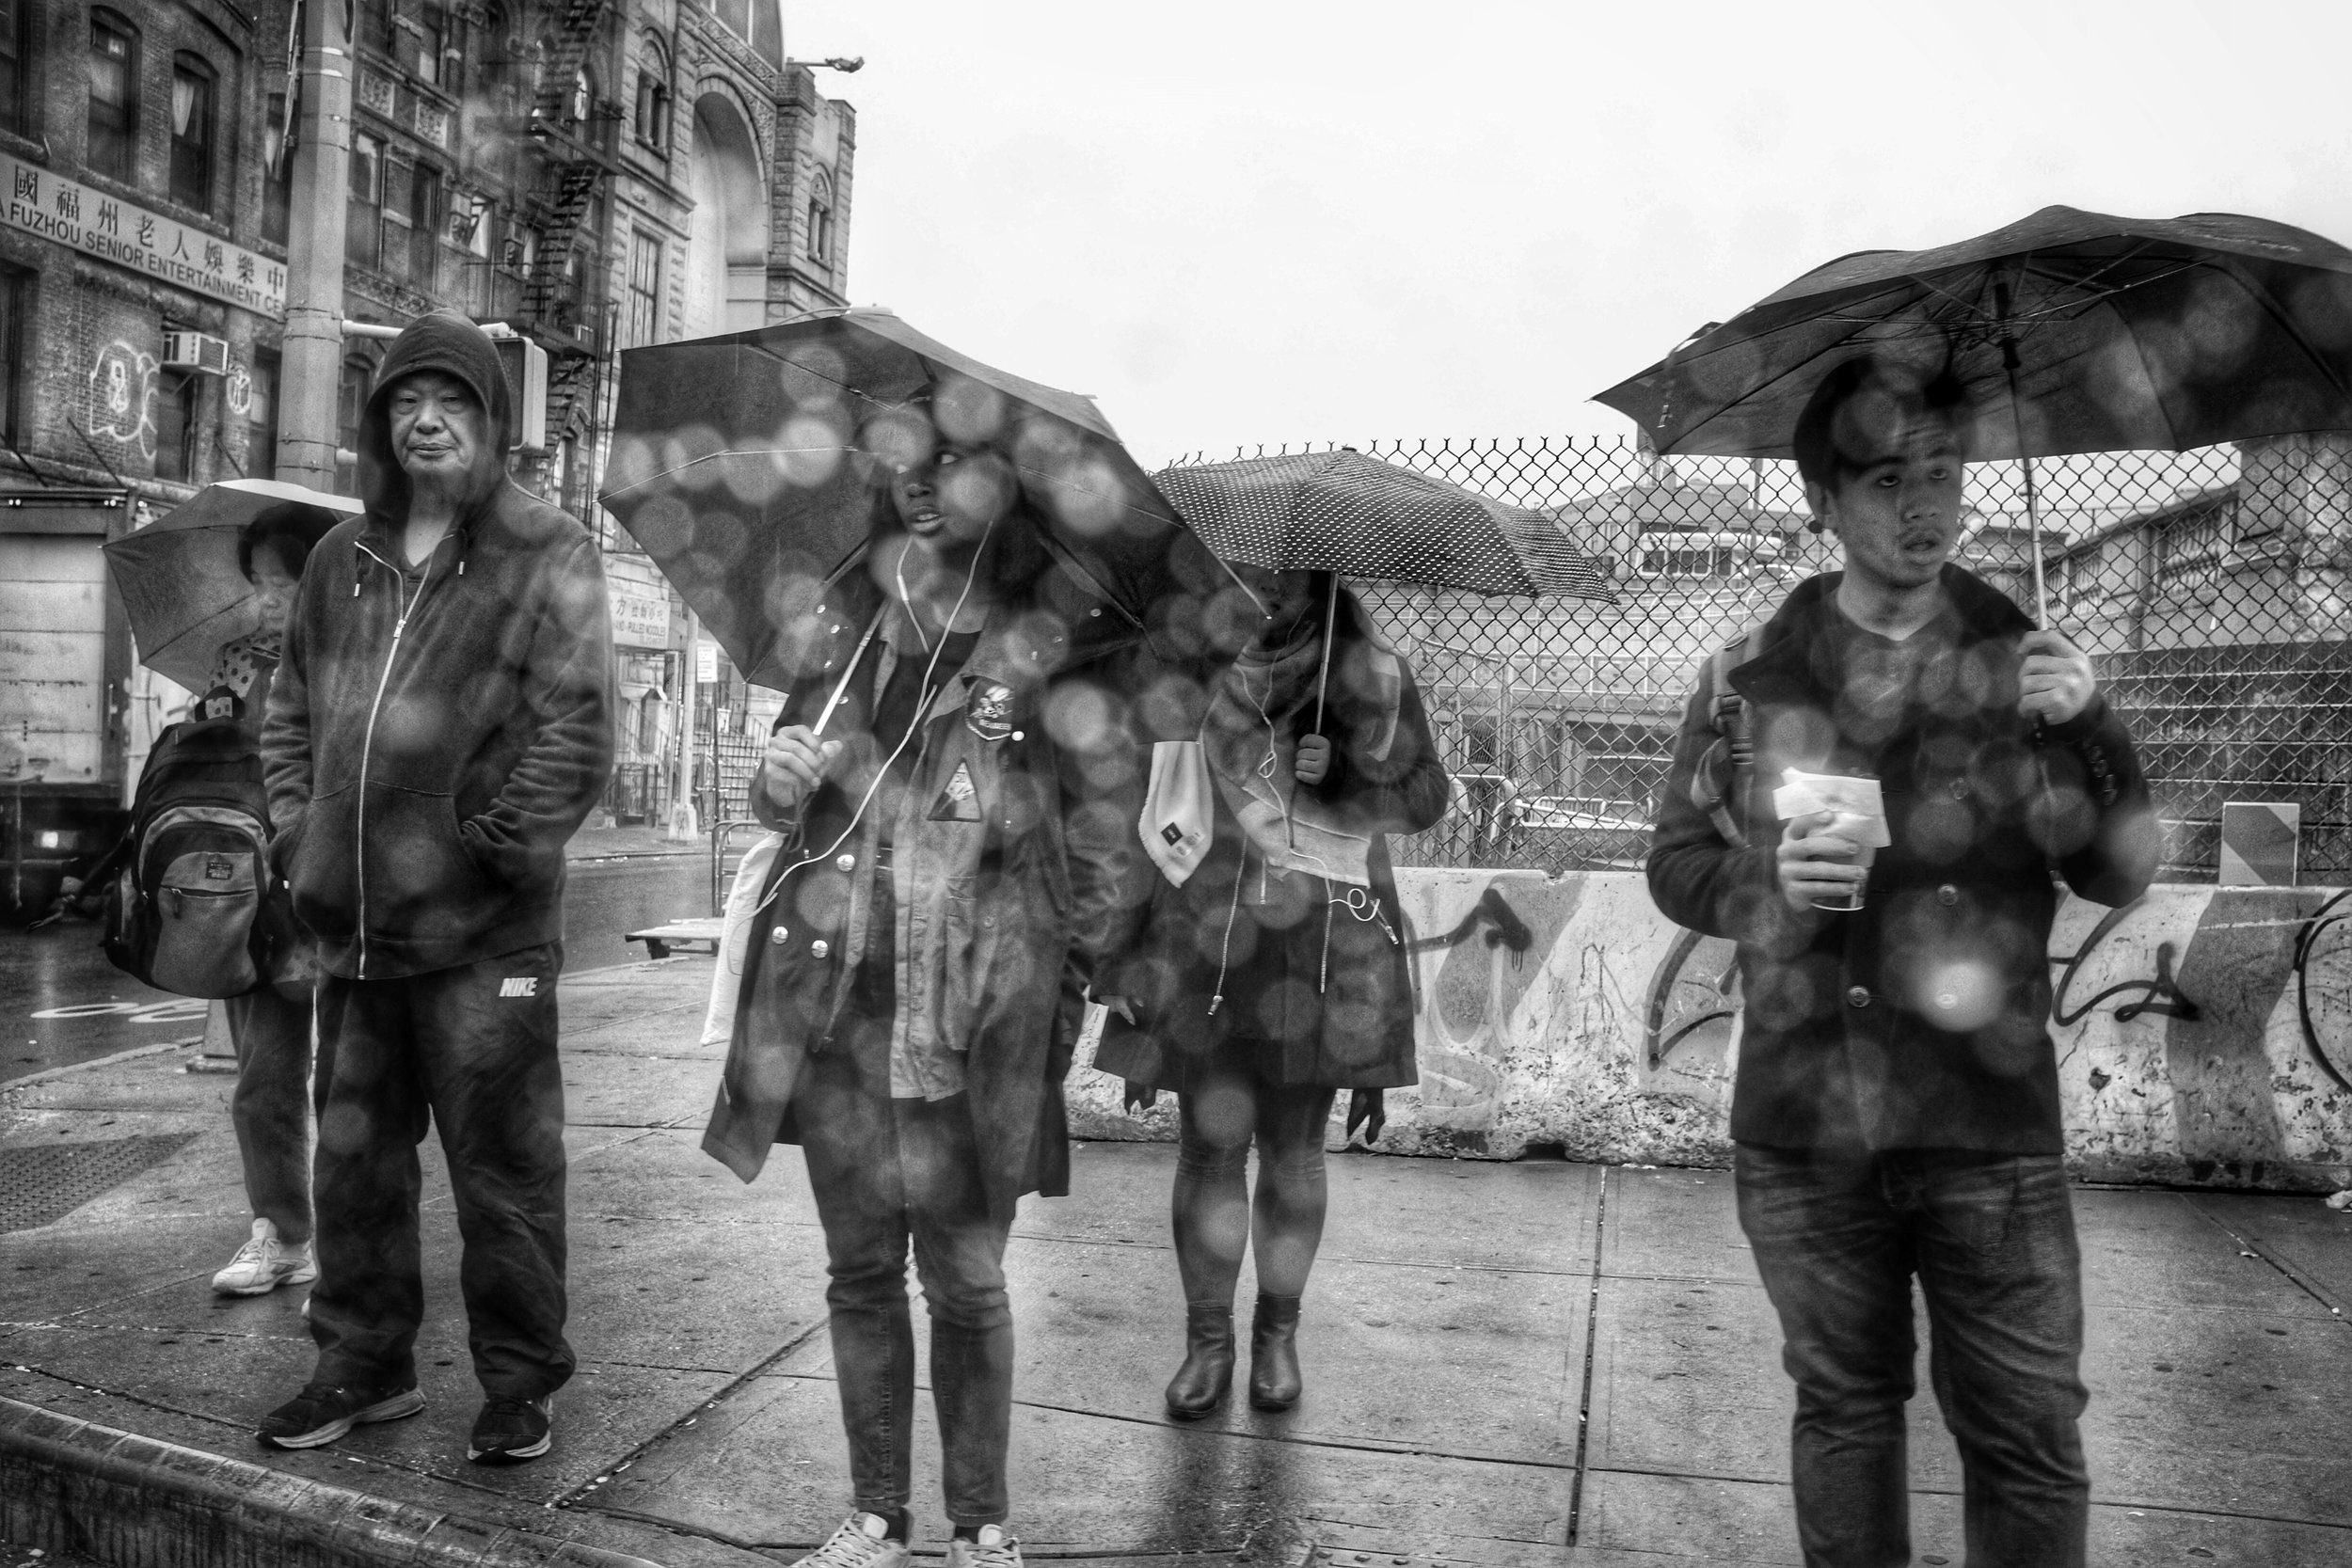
<point>113,94</point>
<point>653,96</point>
<point>821,219</point>
<point>192,85</point>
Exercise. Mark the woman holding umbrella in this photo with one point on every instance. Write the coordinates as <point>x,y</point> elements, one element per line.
<point>187,558</point>
<point>1271,973</point>
<point>958,799</point>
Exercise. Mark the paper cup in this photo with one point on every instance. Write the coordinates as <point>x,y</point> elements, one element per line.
<point>1863,856</point>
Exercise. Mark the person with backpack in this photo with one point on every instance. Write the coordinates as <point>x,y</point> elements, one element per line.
<point>191,906</point>
<point>440,726</point>
<point>1897,1110</point>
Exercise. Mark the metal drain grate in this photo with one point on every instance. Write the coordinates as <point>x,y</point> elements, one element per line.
<point>48,1181</point>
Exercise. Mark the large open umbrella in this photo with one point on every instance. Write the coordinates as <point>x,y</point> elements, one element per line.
<point>1344,512</point>
<point>185,594</point>
<point>2072,331</point>
<point>1352,516</point>
<point>743,464</point>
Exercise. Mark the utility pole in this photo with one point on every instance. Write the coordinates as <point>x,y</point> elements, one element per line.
<point>311,370</point>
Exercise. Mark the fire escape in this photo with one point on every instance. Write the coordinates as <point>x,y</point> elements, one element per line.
<point>572,132</point>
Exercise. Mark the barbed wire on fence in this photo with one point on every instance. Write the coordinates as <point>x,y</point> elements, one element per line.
<point>2212,589</point>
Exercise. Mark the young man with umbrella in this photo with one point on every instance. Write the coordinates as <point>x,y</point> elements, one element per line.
<point>1271,973</point>
<point>440,726</point>
<point>958,799</point>
<point>1897,1110</point>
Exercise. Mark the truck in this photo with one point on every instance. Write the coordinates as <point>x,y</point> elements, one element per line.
<point>70,736</point>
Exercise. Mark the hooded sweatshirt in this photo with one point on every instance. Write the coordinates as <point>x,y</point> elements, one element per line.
<point>437,733</point>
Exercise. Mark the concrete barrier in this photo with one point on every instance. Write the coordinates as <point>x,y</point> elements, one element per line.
<point>2204,1035</point>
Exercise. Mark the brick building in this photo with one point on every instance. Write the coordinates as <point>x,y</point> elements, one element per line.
<point>598,173</point>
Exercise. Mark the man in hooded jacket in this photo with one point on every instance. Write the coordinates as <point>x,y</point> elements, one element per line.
<point>441,726</point>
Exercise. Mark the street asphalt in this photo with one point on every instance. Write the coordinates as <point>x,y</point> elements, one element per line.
<point>1507,1363</point>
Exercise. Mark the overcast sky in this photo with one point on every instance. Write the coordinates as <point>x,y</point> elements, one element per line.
<point>1291,221</point>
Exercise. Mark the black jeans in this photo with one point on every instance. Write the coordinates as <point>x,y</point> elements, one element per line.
<point>885,1172</point>
<point>1227,1109</point>
<point>1992,1240</point>
<point>474,1050</point>
<point>271,1108</point>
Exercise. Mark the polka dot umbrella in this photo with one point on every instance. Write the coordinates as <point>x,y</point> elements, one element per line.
<point>2071,331</point>
<point>1344,512</point>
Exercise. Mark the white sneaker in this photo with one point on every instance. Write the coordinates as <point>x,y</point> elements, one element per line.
<point>264,1263</point>
<point>861,1541</point>
<point>993,1549</point>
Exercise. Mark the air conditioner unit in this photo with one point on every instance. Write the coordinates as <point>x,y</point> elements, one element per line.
<point>196,351</point>
<point>526,367</point>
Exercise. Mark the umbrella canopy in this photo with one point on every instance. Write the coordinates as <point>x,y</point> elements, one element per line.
<point>2072,331</point>
<point>1358,517</point>
<point>181,584</point>
<point>745,464</point>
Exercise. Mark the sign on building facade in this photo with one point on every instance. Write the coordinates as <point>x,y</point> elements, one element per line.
<point>112,229</point>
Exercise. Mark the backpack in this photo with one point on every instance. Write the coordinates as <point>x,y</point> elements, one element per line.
<point>186,910</point>
<point>1724,771</point>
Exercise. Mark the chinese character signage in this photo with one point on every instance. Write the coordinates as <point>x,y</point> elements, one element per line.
<point>640,616</point>
<point>131,236</point>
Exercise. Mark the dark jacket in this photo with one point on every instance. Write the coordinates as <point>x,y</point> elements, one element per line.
<point>1919,1021</point>
<point>1327,996</point>
<point>435,736</point>
<point>1015,864</point>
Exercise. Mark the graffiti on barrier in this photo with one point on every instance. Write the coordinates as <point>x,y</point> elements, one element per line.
<point>2160,995</point>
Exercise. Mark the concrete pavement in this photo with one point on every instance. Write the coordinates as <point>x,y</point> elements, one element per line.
<point>1507,1363</point>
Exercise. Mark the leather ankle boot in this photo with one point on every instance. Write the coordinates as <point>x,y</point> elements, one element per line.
<point>1200,1383</point>
<point>1274,1380</point>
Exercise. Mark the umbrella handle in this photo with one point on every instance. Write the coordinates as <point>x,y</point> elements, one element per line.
<point>1331,616</point>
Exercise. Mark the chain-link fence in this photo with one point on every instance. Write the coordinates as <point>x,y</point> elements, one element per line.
<point>2210,587</point>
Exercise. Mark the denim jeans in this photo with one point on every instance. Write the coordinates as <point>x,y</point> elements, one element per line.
<point>271,1108</point>
<point>473,1050</point>
<point>1991,1238</point>
<point>885,1172</point>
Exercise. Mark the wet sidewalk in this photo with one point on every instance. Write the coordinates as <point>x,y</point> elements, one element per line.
<point>1506,1364</point>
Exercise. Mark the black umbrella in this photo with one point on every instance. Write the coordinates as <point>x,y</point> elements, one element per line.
<point>2073,332</point>
<point>182,587</point>
<point>1352,516</point>
<point>1344,512</point>
<point>744,466</point>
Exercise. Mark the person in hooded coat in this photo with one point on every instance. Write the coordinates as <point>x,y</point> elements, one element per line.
<point>1271,971</point>
<point>958,792</point>
<point>440,727</point>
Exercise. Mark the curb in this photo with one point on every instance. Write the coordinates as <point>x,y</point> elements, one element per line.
<point>71,1486</point>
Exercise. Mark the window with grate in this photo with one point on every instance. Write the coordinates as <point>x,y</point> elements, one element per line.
<point>15,299</point>
<point>652,97</point>
<point>2189,546</point>
<point>260,418</point>
<point>1713,561</point>
<point>16,53</point>
<point>277,170</point>
<point>645,287</point>
<point>192,94</point>
<point>351,401</point>
<point>176,426</point>
<point>821,219</point>
<point>363,209</point>
<point>114,74</point>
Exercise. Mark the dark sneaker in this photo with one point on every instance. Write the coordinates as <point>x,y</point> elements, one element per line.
<point>511,1430</point>
<point>324,1411</point>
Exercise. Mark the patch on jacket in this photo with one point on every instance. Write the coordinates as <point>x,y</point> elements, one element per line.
<point>988,710</point>
<point>960,801</point>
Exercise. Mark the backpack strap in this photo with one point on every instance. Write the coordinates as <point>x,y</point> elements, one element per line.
<point>1720,779</point>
